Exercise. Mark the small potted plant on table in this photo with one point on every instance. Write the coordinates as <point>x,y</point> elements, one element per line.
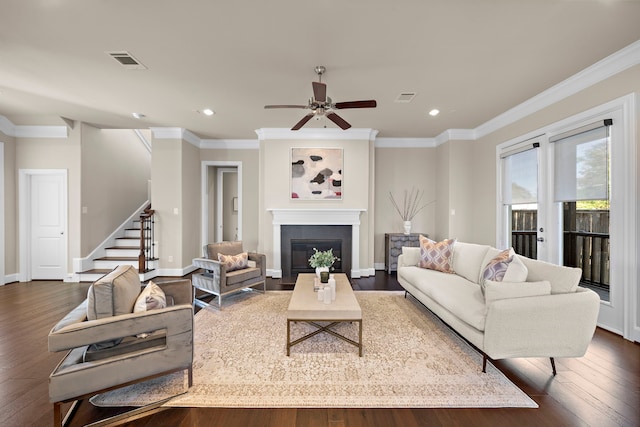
<point>323,261</point>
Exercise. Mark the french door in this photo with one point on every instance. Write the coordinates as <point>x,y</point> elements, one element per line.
<point>561,200</point>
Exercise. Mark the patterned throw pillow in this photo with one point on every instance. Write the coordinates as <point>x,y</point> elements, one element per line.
<point>234,262</point>
<point>436,255</point>
<point>152,297</point>
<point>497,267</point>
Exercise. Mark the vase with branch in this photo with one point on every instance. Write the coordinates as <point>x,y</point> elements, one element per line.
<point>411,205</point>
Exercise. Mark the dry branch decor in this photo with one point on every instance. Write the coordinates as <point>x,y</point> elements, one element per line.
<point>410,204</point>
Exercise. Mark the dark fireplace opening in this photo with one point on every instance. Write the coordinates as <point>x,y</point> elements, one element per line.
<point>298,241</point>
<point>301,251</point>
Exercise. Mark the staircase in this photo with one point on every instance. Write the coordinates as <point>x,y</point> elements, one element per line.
<point>126,251</point>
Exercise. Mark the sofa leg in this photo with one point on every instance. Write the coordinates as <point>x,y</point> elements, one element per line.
<point>484,363</point>
<point>553,366</point>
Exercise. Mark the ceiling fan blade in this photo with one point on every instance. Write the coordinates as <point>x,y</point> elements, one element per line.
<point>302,122</point>
<point>319,91</point>
<point>285,106</point>
<point>338,120</point>
<point>356,104</point>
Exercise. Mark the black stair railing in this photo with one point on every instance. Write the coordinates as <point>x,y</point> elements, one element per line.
<point>147,251</point>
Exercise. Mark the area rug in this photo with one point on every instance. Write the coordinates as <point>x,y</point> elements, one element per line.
<point>411,359</point>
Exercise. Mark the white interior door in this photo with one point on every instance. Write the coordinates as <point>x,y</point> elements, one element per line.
<point>47,224</point>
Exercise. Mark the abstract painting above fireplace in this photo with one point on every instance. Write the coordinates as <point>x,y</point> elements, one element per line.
<point>316,173</point>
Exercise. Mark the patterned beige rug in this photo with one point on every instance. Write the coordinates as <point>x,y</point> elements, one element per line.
<point>410,360</point>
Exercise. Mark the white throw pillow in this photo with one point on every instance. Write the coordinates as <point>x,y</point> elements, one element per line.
<point>152,297</point>
<point>516,272</point>
<point>494,291</point>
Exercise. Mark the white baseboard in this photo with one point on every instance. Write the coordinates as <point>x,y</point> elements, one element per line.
<point>379,266</point>
<point>10,278</point>
<point>176,272</point>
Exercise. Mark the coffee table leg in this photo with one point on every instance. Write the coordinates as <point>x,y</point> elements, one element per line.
<point>288,336</point>
<point>360,337</point>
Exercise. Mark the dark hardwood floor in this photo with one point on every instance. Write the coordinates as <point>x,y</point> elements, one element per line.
<point>601,389</point>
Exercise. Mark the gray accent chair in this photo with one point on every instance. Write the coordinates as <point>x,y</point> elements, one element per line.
<point>120,348</point>
<point>216,280</point>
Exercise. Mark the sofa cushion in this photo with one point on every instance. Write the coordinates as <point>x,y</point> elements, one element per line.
<point>455,293</point>
<point>234,262</point>
<point>436,255</point>
<point>503,290</point>
<point>467,259</point>
<point>410,255</point>
<point>152,297</point>
<point>563,279</point>
<point>113,294</point>
<point>516,272</point>
<point>462,298</point>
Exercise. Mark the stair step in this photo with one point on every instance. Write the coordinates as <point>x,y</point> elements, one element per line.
<point>97,273</point>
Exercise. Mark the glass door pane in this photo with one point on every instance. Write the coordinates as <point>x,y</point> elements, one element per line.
<point>520,199</point>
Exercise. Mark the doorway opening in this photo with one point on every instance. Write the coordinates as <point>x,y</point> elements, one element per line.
<point>221,201</point>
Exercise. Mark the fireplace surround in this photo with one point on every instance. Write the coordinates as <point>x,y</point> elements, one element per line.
<point>317,217</point>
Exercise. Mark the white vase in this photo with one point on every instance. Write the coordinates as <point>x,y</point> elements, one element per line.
<point>407,227</point>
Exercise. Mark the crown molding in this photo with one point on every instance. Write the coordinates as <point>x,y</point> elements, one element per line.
<point>230,144</point>
<point>23,131</point>
<point>175,133</point>
<point>608,67</point>
<point>317,133</point>
<point>405,143</point>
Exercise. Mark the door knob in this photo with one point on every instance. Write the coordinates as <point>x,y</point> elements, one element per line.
<point>540,239</point>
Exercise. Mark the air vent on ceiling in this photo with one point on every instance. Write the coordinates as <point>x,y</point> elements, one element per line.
<point>406,97</point>
<point>127,60</point>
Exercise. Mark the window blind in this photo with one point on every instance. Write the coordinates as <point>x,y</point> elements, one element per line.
<point>520,183</point>
<point>581,163</point>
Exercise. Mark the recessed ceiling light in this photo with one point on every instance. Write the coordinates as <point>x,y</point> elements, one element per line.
<point>208,112</point>
<point>138,115</point>
<point>434,112</point>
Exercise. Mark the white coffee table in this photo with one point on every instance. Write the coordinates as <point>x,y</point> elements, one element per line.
<point>305,307</point>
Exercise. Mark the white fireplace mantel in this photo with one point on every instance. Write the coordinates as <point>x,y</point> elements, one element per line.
<point>316,217</point>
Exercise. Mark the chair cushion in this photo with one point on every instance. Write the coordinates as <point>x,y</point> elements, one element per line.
<point>239,276</point>
<point>234,262</point>
<point>114,293</point>
<point>225,248</point>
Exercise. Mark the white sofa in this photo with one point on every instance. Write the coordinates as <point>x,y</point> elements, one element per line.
<point>501,320</point>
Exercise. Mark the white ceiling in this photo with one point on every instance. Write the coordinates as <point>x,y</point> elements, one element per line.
<point>472,59</point>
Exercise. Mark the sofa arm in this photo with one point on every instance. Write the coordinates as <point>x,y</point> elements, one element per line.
<point>556,325</point>
<point>175,320</point>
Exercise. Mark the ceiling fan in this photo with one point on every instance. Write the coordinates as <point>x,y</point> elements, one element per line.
<point>322,105</point>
